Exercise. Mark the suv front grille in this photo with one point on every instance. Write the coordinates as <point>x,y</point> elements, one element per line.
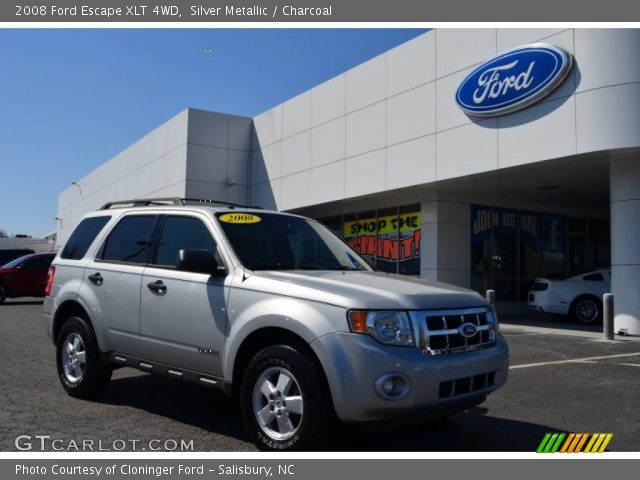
<point>462,386</point>
<point>450,331</point>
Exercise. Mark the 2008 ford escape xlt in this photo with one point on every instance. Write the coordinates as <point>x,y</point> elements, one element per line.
<point>271,308</point>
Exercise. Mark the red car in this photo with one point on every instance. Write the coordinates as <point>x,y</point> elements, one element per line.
<point>25,276</point>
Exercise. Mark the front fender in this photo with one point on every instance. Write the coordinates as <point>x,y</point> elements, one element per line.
<point>250,311</point>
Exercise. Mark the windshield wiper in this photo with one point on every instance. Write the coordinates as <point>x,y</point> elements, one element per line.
<point>301,267</point>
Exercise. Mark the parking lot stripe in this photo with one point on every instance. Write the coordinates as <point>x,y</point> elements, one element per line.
<point>573,360</point>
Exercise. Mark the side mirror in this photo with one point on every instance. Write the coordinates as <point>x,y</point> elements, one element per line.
<point>199,261</point>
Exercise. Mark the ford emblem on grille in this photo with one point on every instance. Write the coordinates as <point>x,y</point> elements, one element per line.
<point>467,330</point>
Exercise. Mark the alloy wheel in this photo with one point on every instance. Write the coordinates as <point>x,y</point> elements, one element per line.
<point>278,404</point>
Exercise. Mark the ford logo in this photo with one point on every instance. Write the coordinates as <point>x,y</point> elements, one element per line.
<point>467,330</point>
<point>513,80</point>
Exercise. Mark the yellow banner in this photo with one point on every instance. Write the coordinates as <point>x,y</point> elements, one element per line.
<point>406,222</point>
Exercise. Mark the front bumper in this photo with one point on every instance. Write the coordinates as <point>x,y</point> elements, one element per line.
<point>354,364</point>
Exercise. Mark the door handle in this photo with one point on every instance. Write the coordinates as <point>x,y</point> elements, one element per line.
<point>158,286</point>
<point>96,278</point>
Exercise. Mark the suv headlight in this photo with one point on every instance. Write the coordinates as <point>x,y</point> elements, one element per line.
<point>386,326</point>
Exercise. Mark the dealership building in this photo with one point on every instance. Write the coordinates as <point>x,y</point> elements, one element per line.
<point>478,157</point>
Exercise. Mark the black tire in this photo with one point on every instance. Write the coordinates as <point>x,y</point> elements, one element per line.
<point>586,309</point>
<point>81,380</point>
<point>312,428</point>
<point>3,294</point>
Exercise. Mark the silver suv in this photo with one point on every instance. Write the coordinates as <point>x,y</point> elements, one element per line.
<point>271,308</point>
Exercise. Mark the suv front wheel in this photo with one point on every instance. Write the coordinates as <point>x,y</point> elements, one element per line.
<point>285,404</point>
<point>80,368</point>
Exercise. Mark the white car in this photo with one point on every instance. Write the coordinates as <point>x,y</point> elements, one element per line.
<point>580,296</point>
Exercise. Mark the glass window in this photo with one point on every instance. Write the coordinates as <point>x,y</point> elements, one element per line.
<point>410,233</point>
<point>129,240</point>
<point>333,223</point>
<point>182,233</point>
<point>386,241</point>
<point>16,262</point>
<point>39,262</point>
<point>82,237</point>
<point>283,242</point>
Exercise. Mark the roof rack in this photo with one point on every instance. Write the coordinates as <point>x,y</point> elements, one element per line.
<point>228,204</point>
<point>176,201</point>
<point>144,202</point>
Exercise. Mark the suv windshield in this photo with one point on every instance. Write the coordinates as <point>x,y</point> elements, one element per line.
<point>268,241</point>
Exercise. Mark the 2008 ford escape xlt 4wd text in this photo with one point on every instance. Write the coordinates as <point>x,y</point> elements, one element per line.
<point>271,308</point>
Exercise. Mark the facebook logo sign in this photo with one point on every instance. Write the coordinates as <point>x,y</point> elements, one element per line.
<point>553,233</point>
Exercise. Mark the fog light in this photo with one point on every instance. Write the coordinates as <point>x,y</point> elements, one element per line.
<point>392,386</point>
<point>388,386</point>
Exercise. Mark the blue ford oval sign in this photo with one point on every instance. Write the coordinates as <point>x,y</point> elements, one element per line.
<point>513,80</point>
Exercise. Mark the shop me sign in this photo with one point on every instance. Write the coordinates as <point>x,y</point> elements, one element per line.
<point>513,80</point>
<point>388,238</point>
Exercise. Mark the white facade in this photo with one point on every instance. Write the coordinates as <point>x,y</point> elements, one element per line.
<point>389,133</point>
<point>195,154</point>
<point>38,245</point>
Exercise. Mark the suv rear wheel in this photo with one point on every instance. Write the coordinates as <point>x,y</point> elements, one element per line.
<point>80,368</point>
<point>285,404</point>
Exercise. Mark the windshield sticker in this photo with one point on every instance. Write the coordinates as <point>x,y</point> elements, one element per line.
<point>239,218</point>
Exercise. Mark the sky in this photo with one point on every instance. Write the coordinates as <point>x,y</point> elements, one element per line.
<point>72,99</point>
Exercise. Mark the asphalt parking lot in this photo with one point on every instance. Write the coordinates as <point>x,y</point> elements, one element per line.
<point>558,382</point>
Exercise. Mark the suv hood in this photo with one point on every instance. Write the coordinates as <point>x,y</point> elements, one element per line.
<point>376,290</point>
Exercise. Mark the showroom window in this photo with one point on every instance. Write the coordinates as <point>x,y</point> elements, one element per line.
<point>388,238</point>
<point>509,248</point>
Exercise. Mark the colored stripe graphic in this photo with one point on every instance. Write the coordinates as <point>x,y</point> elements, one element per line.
<point>592,441</point>
<point>546,438</point>
<point>550,443</point>
<point>582,442</point>
<point>568,442</point>
<point>574,442</point>
<point>606,441</point>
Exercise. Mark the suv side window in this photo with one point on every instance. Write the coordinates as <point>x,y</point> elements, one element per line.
<point>129,240</point>
<point>82,237</point>
<point>38,263</point>
<point>180,233</point>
